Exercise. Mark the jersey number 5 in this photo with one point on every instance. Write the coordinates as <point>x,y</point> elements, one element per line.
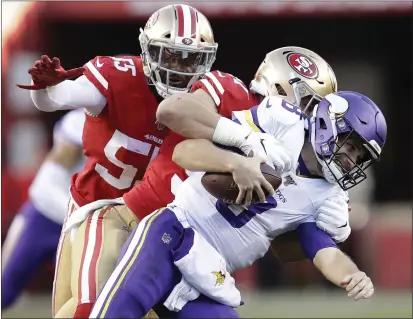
<point>117,141</point>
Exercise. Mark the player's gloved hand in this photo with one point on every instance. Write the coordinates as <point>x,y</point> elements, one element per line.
<point>277,155</point>
<point>247,175</point>
<point>358,285</point>
<point>266,146</point>
<point>47,72</point>
<point>333,218</point>
<point>252,146</point>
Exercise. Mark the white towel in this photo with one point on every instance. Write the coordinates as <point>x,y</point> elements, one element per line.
<point>180,296</point>
<point>205,269</point>
<point>79,215</point>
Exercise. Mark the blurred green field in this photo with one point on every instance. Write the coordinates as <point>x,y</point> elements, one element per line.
<point>303,304</point>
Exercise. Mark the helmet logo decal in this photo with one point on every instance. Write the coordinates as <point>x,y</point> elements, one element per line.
<point>303,65</point>
<point>152,20</point>
<point>338,105</point>
<point>187,41</point>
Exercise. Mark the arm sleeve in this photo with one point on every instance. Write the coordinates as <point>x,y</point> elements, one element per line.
<point>313,239</point>
<point>68,95</point>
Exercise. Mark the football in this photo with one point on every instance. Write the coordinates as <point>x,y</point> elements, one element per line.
<point>223,186</point>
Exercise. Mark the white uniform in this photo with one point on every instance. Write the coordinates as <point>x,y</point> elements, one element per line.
<point>49,191</point>
<point>243,235</point>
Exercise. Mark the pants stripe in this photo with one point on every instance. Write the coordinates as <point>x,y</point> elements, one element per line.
<point>90,256</point>
<point>125,264</point>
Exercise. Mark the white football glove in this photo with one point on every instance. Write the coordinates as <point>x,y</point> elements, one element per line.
<point>267,146</point>
<point>333,218</point>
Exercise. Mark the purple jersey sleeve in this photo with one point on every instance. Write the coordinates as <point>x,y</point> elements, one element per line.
<point>313,239</point>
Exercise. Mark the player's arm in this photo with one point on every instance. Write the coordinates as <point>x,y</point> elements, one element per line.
<point>203,155</point>
<point>51,89</point>
<point>68,95</point>
<point>195,115</point>
<point>51,184</point>
<point>336,266</point>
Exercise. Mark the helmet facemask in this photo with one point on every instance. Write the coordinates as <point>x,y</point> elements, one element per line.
<point>305,96</point>
<point>338,166</point>
<point>174,68</point>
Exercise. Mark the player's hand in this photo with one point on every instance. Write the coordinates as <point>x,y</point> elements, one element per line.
<point>48,72</point>
<point>277,155</point>
<point>333,218</point>
<point>253,146</point>
<point>359,286</point>
<point>266,146</point>
<point>247,175</point>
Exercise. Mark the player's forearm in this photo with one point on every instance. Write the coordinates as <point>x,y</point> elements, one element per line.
<point>194,115</point>
<point>189,114</point>
<point>69,95</point>
<point>334,264</point>
<point>202,155</point>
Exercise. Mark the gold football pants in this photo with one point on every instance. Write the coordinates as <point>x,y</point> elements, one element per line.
<point>84,265</point>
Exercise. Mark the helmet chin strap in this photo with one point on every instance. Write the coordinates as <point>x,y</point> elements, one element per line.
<point>330,171</point>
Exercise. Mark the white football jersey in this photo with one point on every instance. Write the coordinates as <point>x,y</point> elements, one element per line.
<point>49,191</point>
<point>243,235</point>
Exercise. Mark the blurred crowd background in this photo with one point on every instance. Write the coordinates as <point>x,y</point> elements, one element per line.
<point>369,46</point>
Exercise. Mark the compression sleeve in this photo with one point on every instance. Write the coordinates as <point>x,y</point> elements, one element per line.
<point>68,95</point>
<point>313,239</point>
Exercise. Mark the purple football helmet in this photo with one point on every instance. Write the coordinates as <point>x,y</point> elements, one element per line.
<point>345,115</point>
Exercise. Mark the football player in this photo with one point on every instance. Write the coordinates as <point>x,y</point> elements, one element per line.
<point>213,98</point>
<point>121,136</point>
<point>34,233</point>
<point>192,246</point>
<point>227,93</point>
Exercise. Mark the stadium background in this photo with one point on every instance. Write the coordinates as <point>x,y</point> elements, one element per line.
<point>367,44</point>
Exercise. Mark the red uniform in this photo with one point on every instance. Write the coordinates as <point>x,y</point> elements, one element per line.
<point>119,143</point>
<point>123,138</point>
<point>163,176</point>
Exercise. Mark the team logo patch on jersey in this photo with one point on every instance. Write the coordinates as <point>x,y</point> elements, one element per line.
<point>152,20</point>
<point>187,41</point>
<point>166,238</point>
<point>220,277</point>
<point>303,65</point>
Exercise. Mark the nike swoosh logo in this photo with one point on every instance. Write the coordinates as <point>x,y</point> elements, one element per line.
<point>99,65</point>
<point>343,225</point>
<point>263,146</point>
<point>268,104</point>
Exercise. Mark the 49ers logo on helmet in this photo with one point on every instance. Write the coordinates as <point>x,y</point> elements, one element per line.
<point>152,20</point>
<point>303,65</point>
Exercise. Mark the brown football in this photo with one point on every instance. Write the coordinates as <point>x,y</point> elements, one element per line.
<point>222,185</point>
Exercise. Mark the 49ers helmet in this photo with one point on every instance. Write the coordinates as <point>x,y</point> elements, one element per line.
<point>178,47</point>
<point>297,75</point>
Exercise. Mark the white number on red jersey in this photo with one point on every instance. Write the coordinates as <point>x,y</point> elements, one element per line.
<point>117,141</point>
<point>236,81</point>
<point>124,64</point>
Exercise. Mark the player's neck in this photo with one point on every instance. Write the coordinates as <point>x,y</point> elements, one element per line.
<point>310,161</point>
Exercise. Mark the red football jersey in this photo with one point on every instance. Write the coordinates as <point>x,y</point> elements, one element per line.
<point>119,142</point>
<point>163,176</point>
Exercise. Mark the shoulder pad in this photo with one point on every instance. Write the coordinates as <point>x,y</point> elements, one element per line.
<point>282,111</point>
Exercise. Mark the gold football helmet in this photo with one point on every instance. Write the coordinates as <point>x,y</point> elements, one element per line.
<point>178,47</point>
<point>298,75</point>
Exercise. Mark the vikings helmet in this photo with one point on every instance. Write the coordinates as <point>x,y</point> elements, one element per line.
<point>345,115</point>
<point>178,47</point>
<point>297,75</point>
